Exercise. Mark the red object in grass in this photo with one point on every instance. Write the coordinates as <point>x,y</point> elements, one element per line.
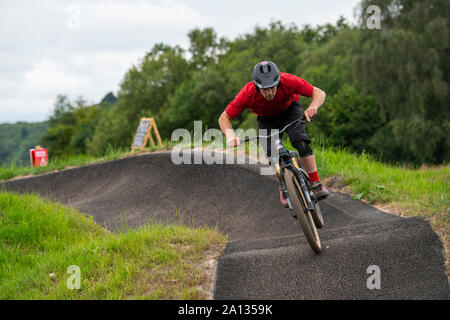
<point>38,157</point>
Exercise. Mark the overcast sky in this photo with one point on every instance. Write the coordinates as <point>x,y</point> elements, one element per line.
<point>83,48</point>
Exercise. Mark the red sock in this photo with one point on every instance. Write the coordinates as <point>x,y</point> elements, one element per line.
<point>313,176</point>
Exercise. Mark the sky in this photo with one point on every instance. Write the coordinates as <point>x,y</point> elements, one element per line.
<point>84,48</point>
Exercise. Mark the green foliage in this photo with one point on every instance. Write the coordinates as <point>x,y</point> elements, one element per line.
<point>40,239</point>
<point>146,87</point>
<point>328,78</point>
<point>205,48</point>
<point>110,98</point>
<point>405,65</point>
<point>200,98</point>
<point>112,130</point>
<point>328,67</point>
<point>352,119</point>
<point>17,139</point>
<point>322,33</point>
<point>58,136</point>
<point>70,127</point>
<point>249,122</point>
<point>144,92</point>
<point>279,43</point>
<point>334,59</point>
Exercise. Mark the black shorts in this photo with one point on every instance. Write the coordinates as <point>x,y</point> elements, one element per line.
<point>296,132</point>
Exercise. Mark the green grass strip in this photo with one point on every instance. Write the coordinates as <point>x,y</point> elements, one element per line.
<point>40,240</point>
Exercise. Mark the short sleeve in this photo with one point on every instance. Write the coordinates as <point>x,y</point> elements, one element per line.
<point>239,103</point>
<point>304,88</point>
<point>299,85</point>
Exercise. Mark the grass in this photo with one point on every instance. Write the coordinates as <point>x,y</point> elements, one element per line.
<point>40,240</point>
<point>419,192</point>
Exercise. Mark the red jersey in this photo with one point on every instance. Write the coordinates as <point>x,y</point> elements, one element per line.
<point>290,87</point>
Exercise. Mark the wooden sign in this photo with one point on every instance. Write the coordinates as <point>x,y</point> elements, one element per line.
<point>143,133</point>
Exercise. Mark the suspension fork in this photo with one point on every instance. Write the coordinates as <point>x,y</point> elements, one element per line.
<point>304,189</point>
<point>291,163</point>
<point>280,175</point>
<point>301,173</point>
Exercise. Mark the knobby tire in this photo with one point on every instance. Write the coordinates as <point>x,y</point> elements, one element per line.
<point>304,216</point>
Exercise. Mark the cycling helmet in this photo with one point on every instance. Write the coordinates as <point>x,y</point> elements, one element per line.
<point>266,75</point>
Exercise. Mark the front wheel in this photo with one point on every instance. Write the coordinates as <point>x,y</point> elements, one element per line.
<point>316,213</point>
<point>300,206</point>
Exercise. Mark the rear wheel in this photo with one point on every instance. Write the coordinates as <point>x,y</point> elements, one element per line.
<point>304,216</point>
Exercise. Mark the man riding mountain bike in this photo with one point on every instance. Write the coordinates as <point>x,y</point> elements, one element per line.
<point>273,96</point>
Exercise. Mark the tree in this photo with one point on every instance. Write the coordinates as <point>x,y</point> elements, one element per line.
<point>87,118</point>
<point>145,90</point>
<point>328,67</point>
<point>279,43</point>
<point>200,98</point>
<point>405,65</point>
<point>322,33</point>
<point>58,136</point>
<point>112,130</point>
<point>109,98</point>
<point>353,119</point>
<point>70,127</point>
<point>205,48</point>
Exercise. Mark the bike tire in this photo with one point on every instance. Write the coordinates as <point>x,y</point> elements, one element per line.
<point>305,219</point>
<point>316,213</point>
<point>317,216</point>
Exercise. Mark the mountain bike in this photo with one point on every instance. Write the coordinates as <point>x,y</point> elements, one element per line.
<point>296,188</point>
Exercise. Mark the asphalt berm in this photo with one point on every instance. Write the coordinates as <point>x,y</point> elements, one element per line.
<point>268,256</point>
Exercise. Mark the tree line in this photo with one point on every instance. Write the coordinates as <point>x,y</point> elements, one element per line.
<point>386,88</point>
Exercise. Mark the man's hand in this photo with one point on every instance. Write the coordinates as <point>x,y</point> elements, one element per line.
<point>227,129</point>
<point>310,112</point>
<point>233,141</point>
<point>318,98</point>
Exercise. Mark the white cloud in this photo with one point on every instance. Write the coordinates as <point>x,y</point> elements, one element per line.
<point>48,75</point>
<point>28,109</point>
<point>84,47</point>
<point>43,55</point>
<point>113,15</point>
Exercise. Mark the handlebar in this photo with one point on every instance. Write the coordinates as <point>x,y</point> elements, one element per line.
<point>298,121</point>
